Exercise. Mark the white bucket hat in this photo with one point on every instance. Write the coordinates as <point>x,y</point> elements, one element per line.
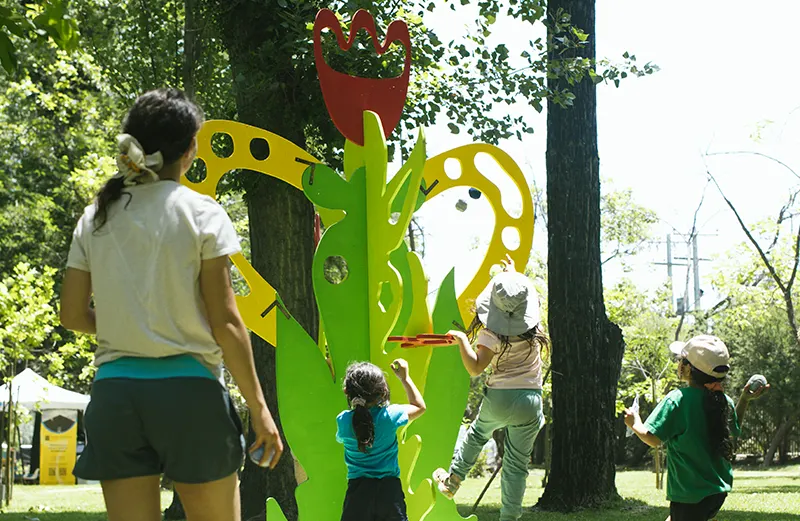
<point>509,305</point>
<point>706,353</point>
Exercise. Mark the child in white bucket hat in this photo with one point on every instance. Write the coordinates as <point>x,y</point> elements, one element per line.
<point>508,335</point>
<point>696,424</point>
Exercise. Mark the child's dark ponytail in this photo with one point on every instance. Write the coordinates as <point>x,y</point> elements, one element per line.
<point>363,426</point>
<point>365,387</point>
<point>162,120</point>
<point>718,414</point>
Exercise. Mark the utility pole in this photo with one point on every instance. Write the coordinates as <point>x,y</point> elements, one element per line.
<point>696,269</point>
<point>683,302</point>
<point>669,258</point>
<point>669,264</point>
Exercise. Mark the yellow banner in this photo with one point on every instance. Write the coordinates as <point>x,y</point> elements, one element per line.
<point>59,439</point>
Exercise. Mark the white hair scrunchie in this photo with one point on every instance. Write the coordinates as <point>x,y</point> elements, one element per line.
<point>356,402</point>
<point>134,166</point>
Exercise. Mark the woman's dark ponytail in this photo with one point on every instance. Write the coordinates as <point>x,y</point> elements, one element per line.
<point>718,415</point>
<point>162,120</point>
<point>365,387</point>
<point>111,192</point>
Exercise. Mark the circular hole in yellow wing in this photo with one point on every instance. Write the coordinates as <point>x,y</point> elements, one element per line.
<point>222,145</point>
<point>452,168</point>
<point>510,238</point>
<point>197,173</point>
<point>259,148</point>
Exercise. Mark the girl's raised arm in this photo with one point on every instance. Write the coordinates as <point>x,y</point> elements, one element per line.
<point>416,404</point>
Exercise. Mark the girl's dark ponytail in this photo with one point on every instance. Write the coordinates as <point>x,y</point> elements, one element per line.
<point>162,120</point>
<point>718,414</point>
<point>365,387</point>
<point>363,427</point>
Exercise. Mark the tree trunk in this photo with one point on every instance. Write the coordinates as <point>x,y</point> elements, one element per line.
<point>783,450</point>
<point>587,347</point>
<point>189,44</point>
<point>281,218</point>
<point>780,434</point>
<point>621,450</point>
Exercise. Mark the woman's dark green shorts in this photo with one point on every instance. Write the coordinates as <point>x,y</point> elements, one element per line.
<point>185,428</point>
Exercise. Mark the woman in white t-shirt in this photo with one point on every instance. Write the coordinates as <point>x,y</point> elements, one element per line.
<point>152,255</point>
<point>510,338</point>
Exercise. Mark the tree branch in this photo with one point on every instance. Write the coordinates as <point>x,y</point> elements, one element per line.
<point>796,261</point>
<point>688,272</point>
<point>786,289</point>
<point>750,237</point>
<point>745,152</point>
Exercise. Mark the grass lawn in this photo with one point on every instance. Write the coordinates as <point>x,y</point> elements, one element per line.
<point>757,496</point>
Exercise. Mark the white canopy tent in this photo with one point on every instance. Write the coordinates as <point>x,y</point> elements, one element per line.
<point>35,393</point>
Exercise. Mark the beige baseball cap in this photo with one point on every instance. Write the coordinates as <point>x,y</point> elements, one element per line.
<point>706,353</point>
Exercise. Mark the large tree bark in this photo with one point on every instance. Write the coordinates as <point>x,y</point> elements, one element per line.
<point>281,218</point>
<point>587,347</point>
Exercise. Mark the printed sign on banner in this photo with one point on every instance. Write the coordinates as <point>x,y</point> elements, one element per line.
<point>58,446</point>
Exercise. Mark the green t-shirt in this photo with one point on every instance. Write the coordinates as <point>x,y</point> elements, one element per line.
<point>693,472</point>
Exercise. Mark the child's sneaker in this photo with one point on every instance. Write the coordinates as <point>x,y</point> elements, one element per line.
<point>447,483</point>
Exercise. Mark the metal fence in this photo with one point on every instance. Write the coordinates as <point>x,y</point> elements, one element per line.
<point>759,429</point>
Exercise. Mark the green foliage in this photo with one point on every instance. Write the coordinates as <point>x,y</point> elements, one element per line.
<point>480,468</point>
<point>480,84</point>
<point>54,122</point>
<point>69,365</point>
<point>26,313</point>
<point>648,329</point>
<point>36,20</point>
<point>753,323</point>
<point>626,227</point>
<point>141,45</point>
<point>624,224</point>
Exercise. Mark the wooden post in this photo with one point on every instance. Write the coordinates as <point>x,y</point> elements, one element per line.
<point>9,469</point>
<point>659,470</point>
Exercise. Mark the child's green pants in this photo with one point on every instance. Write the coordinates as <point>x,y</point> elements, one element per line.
<point>519,411</point>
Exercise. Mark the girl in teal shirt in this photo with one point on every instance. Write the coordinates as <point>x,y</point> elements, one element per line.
<point>368,431</point>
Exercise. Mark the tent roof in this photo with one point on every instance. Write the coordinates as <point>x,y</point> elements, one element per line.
<point>34,392</point>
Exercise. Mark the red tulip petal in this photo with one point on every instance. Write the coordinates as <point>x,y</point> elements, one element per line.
<point>347,97</point>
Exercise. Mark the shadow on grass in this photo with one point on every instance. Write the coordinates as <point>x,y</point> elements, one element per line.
<point>629,509</point>
<point>54,516</point>
<point>777,489</point>
<point>738,515</point>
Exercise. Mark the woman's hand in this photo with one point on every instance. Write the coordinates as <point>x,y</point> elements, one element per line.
<point>267,435</point>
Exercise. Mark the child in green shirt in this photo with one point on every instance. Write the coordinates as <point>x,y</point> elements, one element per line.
<point>696,424</point>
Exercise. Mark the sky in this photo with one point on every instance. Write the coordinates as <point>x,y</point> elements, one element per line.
<point>727,82</point>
